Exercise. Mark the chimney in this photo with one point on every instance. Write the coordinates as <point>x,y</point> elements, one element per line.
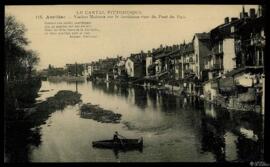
<point>243,14</point>
<point>234,19</point>
<point>252,13</point>
<point>226,20</point>
<point>259,12</point>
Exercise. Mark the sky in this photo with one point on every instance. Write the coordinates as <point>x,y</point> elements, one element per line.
<point>117,36</point>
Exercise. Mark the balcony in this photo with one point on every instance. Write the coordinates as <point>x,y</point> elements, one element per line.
<point>188,71</point>
<point>215,67</point>
<point>217,50</point>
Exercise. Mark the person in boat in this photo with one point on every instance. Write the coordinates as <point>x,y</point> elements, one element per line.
<point>116,138</point>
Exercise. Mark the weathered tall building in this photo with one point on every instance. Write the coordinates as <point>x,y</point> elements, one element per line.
<point>201,44</point>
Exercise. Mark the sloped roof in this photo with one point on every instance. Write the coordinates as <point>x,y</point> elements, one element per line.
<point>188,48</point>
<point>137,58</point>
<point>174,54</point>
<point>254,69</point>
<point>224,30</point>
<point>161,55</point>
<point>203,35</point>
<point>235,71</point>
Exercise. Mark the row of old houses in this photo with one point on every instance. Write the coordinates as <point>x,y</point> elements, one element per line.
<point>224,65</point>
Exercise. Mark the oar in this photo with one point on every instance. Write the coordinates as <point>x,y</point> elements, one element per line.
<point>122,136</point>
<point>121,139</point>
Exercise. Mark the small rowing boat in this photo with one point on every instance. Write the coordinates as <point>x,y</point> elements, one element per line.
<point>121,144</point>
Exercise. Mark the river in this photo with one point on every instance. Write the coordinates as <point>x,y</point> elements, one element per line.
<point>174,129</point>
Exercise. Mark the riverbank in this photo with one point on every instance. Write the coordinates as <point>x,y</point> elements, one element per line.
<point>24,130</point>
<point>19,94</point>
<point>231,104</point>
<point>66,78</point>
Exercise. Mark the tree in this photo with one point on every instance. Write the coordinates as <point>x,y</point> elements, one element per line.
<point>31,60</point>
<point>18,60</point>
<point>14,32</point>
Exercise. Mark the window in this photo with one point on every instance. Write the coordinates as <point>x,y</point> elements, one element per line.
<point>232,29</point>
<point>262,33</point>
<point>260,58</point>
<point>220,46</point>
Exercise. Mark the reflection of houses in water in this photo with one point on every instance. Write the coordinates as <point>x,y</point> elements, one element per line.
<point>150,103</point>
<point>107,85</point>
<point>213,138</point>
<point>109,88</point>
<point>140,97</point>
<point>189,102</point>
<point>231,135</point>
<point>248,149</point>
<point>210,110</point>
<point>249,134</point>
<point>168,102</point>
<point>131,95</point>
<point>228,135</point>
<point>248,128</point>
<point>178,102</point>
<point>115,88</point>
<point>123,91</point>
<point>230,146</point>
<point>152,98</point>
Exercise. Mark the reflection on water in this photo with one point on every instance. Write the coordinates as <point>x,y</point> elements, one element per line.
<point>174,128</point>
<point>117,151</point>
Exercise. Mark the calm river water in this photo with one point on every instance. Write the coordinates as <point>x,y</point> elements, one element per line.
<point>174,129</point>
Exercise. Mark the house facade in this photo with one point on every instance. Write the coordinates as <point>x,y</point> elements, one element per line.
<point>148,63</point>
<point>135,65</point>
<point>201,46</point>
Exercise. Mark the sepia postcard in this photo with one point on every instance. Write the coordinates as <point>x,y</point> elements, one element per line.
<point>134,83</point>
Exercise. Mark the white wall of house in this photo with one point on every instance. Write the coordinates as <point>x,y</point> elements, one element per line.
<point>158,66</point>
<point>210,110</point>
<point>176,70</point>
<point>210,75</point>
<point>197,67</point>
<point>107,77</point>
<point>120,66</point>
<point>208,92</point>
<point>89,70</point>
<point>248,80</point>
<point>229,54</point>
<point>263,95</point>
<point>149,61</point>
<point>129,65</point>
<point>245,80</point>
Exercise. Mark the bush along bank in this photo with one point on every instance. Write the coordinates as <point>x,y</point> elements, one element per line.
<point>90,111</point>
<point>59,101</point>
<point>24,131</point>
